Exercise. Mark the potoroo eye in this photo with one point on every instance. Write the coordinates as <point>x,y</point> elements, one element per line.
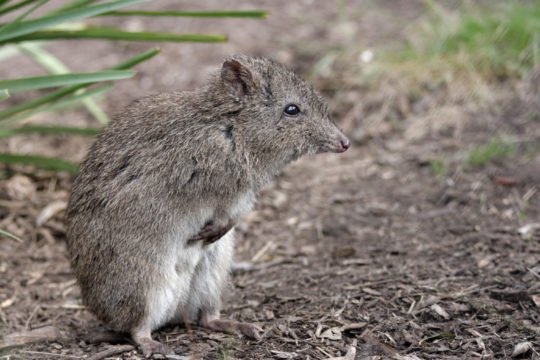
<point>291,110</point>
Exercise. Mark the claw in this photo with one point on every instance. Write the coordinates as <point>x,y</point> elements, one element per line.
<point>149,347</point>
<point>142,336</point>
<point>212,233</point>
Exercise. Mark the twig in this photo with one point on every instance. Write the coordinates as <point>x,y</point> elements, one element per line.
<point>432,214</point>
<point>259,255</point>
<point>105,336</point>
<point>479,306</point>
<point>533,272</point>
<point>12,204</point>
<point>27,324</point>
<point>351,353</point>
<point>49,354</point>
<point>193,344</point>
<point>47,333</point>
<point>323,351</point>
<point>114,350</point>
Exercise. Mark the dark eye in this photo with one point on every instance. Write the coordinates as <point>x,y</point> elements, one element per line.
<point>291,110</point>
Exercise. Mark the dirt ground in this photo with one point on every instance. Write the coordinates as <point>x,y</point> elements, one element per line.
<point>363,255</point>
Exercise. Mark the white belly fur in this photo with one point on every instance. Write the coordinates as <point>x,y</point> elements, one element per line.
<point>193,275</point>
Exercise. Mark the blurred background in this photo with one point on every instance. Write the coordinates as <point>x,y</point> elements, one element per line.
<point>438,194</point>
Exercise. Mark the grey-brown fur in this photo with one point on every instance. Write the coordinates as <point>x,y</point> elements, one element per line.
<point>169,165</point>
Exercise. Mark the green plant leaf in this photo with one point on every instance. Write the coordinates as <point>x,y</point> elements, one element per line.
<point>494,149</point>
<point>4,94</point>
<point>42,162</point>
<point>55,66</point>
<point>93,108</point>
<point>72,5</point>
<point>115,34</point>
<point>139,58</point>
<point>30,26</point>
<point>48,61</point>
<point>70,100</point>
<point>10,235</point>
<point>16,6</point>
<point>9,51</point>
<point>57,94</point>
<point>13,24</point>
<point>213,14</point>
<point>489,41</point>
<point>42,82</point>
<point>49,130</point>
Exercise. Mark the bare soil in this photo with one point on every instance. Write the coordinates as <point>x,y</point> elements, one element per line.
<point>364,255</point>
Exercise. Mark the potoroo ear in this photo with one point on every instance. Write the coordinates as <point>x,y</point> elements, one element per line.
<point>237,79</point>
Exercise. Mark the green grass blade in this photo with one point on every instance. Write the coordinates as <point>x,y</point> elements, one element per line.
<point>65,102</point>
<point>137,59</point>
<point>9,51</point>
<point>3,2</point>
<point>72,5</point>
<point>40,101</point>
<point>43,58</point>
<point>213,14</point>
<point>30,26</point>
<point>95,110</point>
<point>48,81</point>
<point>16,6</point>
<point>494,149</point>
<point>10,235</point>
<point>115,34</point>
<point>55,66</point>
<point>4,94</point>
<point>49,130</point>
<point>15,23</point>
<point>489,40</point>
<point>57,94</point>
<point>42,162</point>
